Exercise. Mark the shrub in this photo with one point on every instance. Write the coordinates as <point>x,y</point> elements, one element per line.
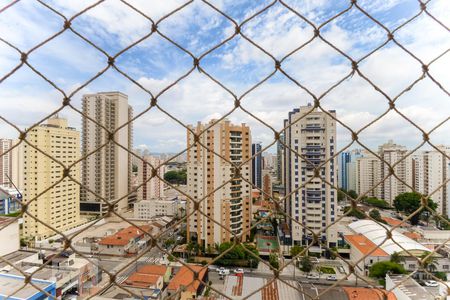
<point>379,269</point>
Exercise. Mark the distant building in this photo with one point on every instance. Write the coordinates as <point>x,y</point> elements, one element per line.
<point>151,187</point>
<point>256,165</point>
<point>106,172</point>
<point>128,241</point>
<point>6,162</point>
<point>9,235</point>
<point>59,206</point>
<point>430,171</point>
<point>393,186</point>
<point>185,283</point>
<point>9,200</point>
<point>368,172</point>
<point>344,159</point>
<point>231,205</point>
<point>406,288</point>
<point>266,184</point>
<point>280,159</point>
<point>312,203</point>
<point>147,209</point>
<point>10,283</point>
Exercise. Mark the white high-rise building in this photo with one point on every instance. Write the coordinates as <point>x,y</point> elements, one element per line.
<point>430,171</point>
<point>6,162</point>
<point>107,171</point>
<point>230,205</point>
<point>367,175</point>
<point>312,203</point>
<point>392,186</point>
<point>151,187</point>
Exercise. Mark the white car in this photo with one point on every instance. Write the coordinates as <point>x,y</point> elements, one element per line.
<point>239,271</point>
<point>431,283</point>
<point>312,276</point>
<point>223,271</point>
<point>331,278</point>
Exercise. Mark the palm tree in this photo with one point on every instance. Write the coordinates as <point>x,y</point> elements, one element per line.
<point>397,258</point>
<point>428,262</point>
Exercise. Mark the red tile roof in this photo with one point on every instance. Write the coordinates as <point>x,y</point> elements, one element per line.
<point>395,222</point>
<point>153,269</point>
<point>412,235</point>
<point>356,293</point>
<point>364,245</point>
<point>185,277</point>
<point>123,237</point>
<point>142,280</point>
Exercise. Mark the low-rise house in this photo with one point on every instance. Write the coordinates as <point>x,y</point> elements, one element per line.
<point>183,284</point>
<point>126,242</point>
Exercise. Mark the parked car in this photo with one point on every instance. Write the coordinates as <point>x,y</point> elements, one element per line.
<point>331,278</point>
<point>431,283</point>
<point>223,271</point>
<point>312,276</point>
<point>239,271</point>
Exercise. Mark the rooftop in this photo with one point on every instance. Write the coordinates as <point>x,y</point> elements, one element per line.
<point>142,280</point>
<point>10,283</point>
<point>410,287</point>
<point>153,269</point>
<point>395,222</point>
<point>360,293</point>
<point>185,277</point>
<point>376,233</point>
<point>364,245</point>
<point>123,237</point>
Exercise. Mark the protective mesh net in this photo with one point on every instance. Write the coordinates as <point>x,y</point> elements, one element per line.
<point>275,273</point>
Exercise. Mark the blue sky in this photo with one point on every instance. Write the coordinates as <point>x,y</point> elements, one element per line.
<point>155,63</point>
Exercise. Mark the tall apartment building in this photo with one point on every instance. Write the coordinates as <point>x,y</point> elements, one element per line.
<point>257,162</point>
<point>430,172</point>
<point>280,159</point>
<point>313,203</point>
<point>266,185</point>
<point>6,162</point>
<point>344,159</point>
<point>58,207</point>
<point>230,205</point>
<point>151,187</point>
<point>368,175</point>
<point>392,186</point>
<point>107,172</point>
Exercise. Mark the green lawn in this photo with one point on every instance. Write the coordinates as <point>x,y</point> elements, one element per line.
<point>327,270</point>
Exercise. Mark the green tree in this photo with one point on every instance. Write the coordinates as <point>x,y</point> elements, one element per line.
<point>306,264</point>
<point>375,214</point>
<point>135,168</point>
<point>380,203</point>
<point>273,260</point>
<point>409,203</point>
<point>429,262</point>
<point>352,194</point>
<point>296,250</point>
<point>176,177</point>
<point>397,258</point>
<point>354,212</point>
<point>379,269</point>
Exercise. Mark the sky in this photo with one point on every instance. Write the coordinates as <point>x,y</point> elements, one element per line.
<point>154,63</point>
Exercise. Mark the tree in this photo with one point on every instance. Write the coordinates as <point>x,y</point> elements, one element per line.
<point>409,203</point>
<point>397,258</point>
<point>352,194</point>
<point>273,260</point>
<point>372,201</point>
<point>296,250</point>
<point>379,269</point>
<point>135,168</point>
<point>306,264</point>
<point>375,214</point>
<point>429,262</point>
<point>354,212</point>
<point>176,177</point>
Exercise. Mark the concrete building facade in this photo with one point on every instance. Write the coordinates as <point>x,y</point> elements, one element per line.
<point>59,206</point>
<point>230,204</point>
<point>257,167</point>
<point>367,175</point>
<point>147,209</point>
<point>6,162</point>
<point>312,202</point>
<point>107,172</point>
<point>151,187</point>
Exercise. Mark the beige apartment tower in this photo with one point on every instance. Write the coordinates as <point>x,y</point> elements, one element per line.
<point>311,202</point>
<point>58,207</point>
<point>368,175</point>
<point>107,171</point>
<point>230,205</point>
<point>151,188</point>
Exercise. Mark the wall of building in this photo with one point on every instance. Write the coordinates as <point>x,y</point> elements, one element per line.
<point>9,236</point>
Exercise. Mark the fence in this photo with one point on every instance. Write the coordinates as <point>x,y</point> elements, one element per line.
<point>280,66</point>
